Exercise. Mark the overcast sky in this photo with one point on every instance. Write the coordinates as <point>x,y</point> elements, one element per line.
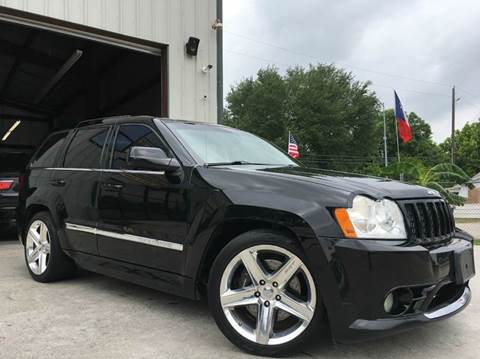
<point>419,47</point>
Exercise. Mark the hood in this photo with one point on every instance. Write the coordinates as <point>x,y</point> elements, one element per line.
<point>347,183</point>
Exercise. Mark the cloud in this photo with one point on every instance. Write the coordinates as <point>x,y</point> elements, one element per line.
<point>421,48</point>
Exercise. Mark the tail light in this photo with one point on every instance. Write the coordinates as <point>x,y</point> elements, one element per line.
<point>5,185</point>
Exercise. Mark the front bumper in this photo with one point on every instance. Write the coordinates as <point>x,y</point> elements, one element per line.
<point>363,272</point>
<point>368,329</point>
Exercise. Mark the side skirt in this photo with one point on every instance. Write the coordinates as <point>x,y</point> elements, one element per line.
<point>147,277</point>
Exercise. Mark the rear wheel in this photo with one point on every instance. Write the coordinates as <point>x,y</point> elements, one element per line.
<point>46,262</point>
<point>262,294</point>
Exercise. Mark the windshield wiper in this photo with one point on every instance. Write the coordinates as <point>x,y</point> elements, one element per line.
<point>233,163</point>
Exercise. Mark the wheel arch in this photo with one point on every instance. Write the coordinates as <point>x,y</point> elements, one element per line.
<point>31,211</point>
<point>279,222</point>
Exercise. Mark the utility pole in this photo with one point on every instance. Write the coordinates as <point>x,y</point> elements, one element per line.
<point>385,135</point>
<point>453,125</point>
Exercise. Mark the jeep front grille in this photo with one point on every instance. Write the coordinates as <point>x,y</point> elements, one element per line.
<point>428,221</point>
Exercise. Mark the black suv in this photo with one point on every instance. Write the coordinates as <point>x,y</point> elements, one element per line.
<point>199,209</point>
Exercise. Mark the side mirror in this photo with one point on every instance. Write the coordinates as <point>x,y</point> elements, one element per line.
<point>151,159</point>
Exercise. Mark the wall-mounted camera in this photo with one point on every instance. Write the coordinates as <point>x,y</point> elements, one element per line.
<point>207,69</point>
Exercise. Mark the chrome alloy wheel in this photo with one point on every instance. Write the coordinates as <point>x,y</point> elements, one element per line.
<point>37,247</point>
<point>268,295</point>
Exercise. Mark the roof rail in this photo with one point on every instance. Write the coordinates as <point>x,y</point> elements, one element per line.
<point>96,121</point>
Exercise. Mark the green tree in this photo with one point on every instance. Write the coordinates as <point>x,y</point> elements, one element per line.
<point>259,106</point>
<point>336,120</point>
<point>467,144</point>
<point>330,114</point>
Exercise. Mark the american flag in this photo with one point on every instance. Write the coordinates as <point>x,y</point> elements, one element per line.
<point>292,147</point>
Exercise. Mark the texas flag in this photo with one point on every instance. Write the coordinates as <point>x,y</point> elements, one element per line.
<point>404,129</point>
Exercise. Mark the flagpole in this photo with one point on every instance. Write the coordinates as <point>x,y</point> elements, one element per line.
<point>398,142</point>
<point>396,126</point>
<point>385,135</point>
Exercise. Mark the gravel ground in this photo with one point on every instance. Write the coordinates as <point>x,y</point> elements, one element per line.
<point>91,316</point>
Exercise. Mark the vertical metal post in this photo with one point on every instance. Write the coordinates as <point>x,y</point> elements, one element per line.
<point>398,141</point>
<point>453,125</point>
<point>385,136</point>
<point>220,64</point>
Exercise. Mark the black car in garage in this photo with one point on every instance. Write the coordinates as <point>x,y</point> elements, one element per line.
<point>8,199</point>
<point>278,249</point>
<point>11,165</point>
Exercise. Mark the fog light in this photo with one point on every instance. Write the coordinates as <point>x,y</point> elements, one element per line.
<point>398,301</point>
<point>388,304</point>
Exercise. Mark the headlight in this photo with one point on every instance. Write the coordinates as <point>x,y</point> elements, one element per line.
<point>371,219</point>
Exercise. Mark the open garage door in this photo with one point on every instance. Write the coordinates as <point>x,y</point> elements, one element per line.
<point>51,79</point>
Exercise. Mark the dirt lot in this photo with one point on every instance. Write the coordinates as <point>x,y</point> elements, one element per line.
<point>92,316</point>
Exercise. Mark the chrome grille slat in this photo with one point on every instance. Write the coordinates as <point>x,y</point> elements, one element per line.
<point>445,217</point>
<point>436,219</point>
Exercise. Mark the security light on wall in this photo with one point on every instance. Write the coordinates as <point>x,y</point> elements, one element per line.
<point>217,24</point>
<point>192,46</point>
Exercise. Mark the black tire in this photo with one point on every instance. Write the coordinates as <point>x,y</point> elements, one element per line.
<point>237,245</point>
<point>59,266</point>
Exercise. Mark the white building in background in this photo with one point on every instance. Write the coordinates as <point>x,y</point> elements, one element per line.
<point>191,89</point>
<point>471,195</point>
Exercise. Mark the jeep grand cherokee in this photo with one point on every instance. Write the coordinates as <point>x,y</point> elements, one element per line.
<point>278,248</point>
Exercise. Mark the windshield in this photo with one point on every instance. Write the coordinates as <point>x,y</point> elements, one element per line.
<point>223,145</point>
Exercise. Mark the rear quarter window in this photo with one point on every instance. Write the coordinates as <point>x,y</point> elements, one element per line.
<point>85,150</point>
<point>47,153</point>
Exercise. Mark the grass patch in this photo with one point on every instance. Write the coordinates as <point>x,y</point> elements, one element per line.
<point>477,242</point>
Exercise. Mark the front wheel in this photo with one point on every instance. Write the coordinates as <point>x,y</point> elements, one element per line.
<point>262,294</point>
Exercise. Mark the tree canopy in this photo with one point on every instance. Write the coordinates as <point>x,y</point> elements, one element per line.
<point>337,121</point>
<point>328,112</point>
<point>467,144</point>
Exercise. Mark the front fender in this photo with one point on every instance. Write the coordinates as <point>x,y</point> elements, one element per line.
<point>254,217</point>
<point>315,215</point>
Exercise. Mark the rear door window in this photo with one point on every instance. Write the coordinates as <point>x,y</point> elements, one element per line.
<point>85,150</point>
<point>47,154</point>
<point>129,136</point>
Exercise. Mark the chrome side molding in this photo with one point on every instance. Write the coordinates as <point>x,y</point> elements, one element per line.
<point>105,170</point>
<point>126,237</point>
<point>79,228</point>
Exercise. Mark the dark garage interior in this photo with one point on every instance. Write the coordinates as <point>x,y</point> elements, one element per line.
<point>51,81</point>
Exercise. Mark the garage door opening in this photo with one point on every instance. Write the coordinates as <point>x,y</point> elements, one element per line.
<point>51,80</point>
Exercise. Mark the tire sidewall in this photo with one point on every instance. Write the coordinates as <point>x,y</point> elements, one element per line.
<point>240,243</point>
<point>55,250</point>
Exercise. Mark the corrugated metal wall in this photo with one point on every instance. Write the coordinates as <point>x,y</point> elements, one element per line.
<point>192,94</point>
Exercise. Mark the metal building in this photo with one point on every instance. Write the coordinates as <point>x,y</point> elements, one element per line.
<point>62,61</point>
